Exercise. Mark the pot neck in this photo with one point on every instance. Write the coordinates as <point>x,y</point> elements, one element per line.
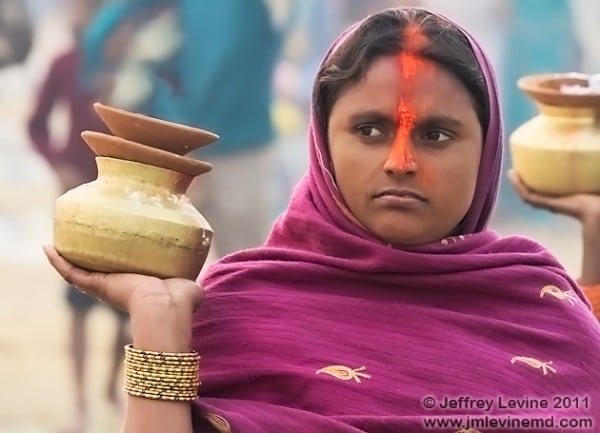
<point>145,175</point>
<point>570,114</point>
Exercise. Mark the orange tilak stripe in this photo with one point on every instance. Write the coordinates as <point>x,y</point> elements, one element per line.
<point>409,65</point>
<point>401,153</point>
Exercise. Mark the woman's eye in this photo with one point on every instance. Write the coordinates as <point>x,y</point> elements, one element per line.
<point>369,131</point>
<point>436,135</point>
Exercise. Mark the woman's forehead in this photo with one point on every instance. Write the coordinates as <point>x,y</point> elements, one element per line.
<point>427,84</point>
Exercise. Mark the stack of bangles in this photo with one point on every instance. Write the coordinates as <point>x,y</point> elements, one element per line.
<point>593,295</point>
<point>161,375</point>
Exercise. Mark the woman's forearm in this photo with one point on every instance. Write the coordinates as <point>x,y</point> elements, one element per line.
<point>163,331</point>
<point>148,416</point>
<point>161,314</point>
<point>590,273</point>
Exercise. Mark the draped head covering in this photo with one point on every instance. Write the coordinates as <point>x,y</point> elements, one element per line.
<point>327,329</point>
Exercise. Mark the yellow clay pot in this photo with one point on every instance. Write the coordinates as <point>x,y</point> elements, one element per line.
<point>136,217</point>
<point>558,151</point>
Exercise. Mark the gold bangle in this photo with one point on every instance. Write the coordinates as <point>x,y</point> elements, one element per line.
<point>164,383</point>
<point>143,394</point>
<point>161,375</point>
<point>161,356</point>
<point>164,369</point>
<point>165,377</point>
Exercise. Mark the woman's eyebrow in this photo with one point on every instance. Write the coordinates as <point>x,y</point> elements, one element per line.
<point>440,120</point>
<point>383,117</point>
<point>372,116</point>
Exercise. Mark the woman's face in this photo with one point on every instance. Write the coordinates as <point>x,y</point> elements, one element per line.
<point>405,143</point>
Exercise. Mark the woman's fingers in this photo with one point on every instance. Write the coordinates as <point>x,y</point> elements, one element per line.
<point>121,289</point>
<point>566,205</point>
<point>64,268</point>
<point>99,285</point>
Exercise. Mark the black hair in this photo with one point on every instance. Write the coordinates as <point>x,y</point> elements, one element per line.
<point>383,34</point>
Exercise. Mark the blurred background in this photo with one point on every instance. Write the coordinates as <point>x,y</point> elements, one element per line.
<point>241,68</point>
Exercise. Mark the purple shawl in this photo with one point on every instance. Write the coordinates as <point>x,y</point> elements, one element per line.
<point>327,329</point>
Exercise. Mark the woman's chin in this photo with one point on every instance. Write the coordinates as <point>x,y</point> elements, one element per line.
<point>407,234</point>
<point>404,238</point>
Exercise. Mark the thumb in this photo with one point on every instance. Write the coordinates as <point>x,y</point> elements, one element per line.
<point>189,291</point>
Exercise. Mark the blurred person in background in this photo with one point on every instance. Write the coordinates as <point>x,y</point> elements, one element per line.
<point>73,163</point>
<point>39,9</point>
<point>207,64</point>
<point>16,33</point>
<point>316,24</point>
<point>586,14</point>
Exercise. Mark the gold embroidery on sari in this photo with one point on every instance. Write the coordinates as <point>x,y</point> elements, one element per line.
<point>532,362</point>
<point>568,296</point>
<point>218,422</point>
<point>345,373</point>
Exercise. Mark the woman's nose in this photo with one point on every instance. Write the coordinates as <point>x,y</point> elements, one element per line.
<point>401,159</point>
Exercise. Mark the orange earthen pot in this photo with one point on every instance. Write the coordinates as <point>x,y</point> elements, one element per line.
<point>136,217</point>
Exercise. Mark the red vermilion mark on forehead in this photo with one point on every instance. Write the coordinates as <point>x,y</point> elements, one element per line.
<point>401,154</point>
<point>414,39</point>
<point>409,66</point>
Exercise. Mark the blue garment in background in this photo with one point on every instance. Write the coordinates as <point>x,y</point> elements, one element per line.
<point>541,39</point>
<point>222,72</point>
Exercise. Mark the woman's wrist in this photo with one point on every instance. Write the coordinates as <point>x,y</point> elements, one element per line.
<point>591,225</point>
<point>590,274</point>
<point>162,330</point>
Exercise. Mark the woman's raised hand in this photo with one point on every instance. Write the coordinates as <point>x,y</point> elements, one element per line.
<point>160,310</point>
<point>584,207</point>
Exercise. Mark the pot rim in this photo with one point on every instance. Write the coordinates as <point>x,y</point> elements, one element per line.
<point>120,148</point>
<point>545,89</point>
<point>151,131</point>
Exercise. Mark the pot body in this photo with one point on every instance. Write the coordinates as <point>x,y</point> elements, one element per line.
<point>558,151</point>
<point>133,218</point>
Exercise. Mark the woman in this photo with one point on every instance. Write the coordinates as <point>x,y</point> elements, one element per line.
<point>379,297</point>
<point>16,32</point>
